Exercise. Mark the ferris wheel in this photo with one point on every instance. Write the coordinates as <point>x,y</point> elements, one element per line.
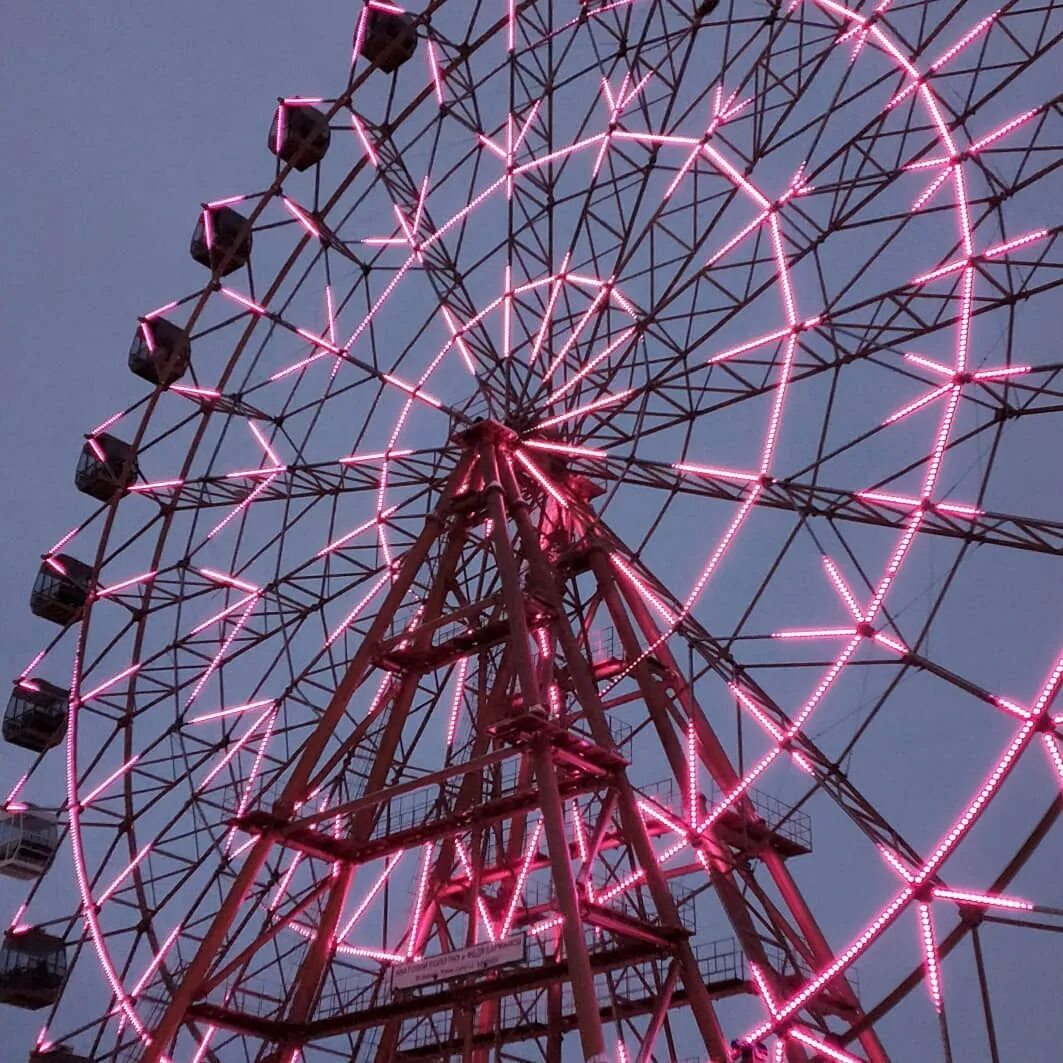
<point>580,577</point>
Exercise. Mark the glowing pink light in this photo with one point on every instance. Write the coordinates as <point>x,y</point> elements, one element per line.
<point>367,145</point>
<point>828,1050</point>
<point>540,928</point>
<point>511,24</point>
<point>368,899</point>
<point>237,510</point>
<point>540,477</point>
<point>288,370</point>
<point>750,345</point>
<point>301,216</point>
<point>227,202</point>
<point>318,341</point>
<point>548,313</point>
<point>116,774</point>
<point>619,342</point>
<point>9,801</point>
<point>144,577</point>
<point>1011,245</point>
<point>244,474</point>
<point>619,397</point>
<point>233,750</point>
<point>984,900</point>
<point>235,710</point>
<point>97,450</point>
<point>418,907</point>
<point>109,683</point>
<point>507,314</point>
<point>896,863</point>
<point>207,394</point>
<point>621,1053</point>
<point>212,667</point>
<point>815,633</point>
<point>522,877</point>
<point>229,581</point>
<point>156,961</point>
<point>455,705</point>
<point>564,448</point>
<point>579,831</point>
<point>158,312</point>
<point>56,565</point>
<point>208,233</point>
<point>757,712</point>
<point>1002,131</point>
<point>654,811</point>
<point>890,643</point>
<point>243,300</point>
<point>692,773</point>
<point>1054,755</point>
<point>918,404</point>
<point>648,595</point>
<point>204,1044</point>
<point>125,873</point>
<point>930,955</point>
<point>414,391</point>
<point>481,906</point>
<point>356,611</point>
<point>763,988</point>
<point>928,193</point>
<point>715,470</point>
<point>931,365</point>
<point>239,604</point>
<point>1001,373</point>
<point>363,527</point>
<point>433,68</point>
<point>59,546</point>
<point>577,332</point>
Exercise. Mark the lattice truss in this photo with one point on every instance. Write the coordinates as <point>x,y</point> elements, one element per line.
<point>631,446</point>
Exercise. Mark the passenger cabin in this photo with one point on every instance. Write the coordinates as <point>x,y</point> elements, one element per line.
<point>389,39</point>
<point>61,589</point>
<point>106,466</point>
<point>33,968</point>
<point>221,240</point>
<point>29,839</point>
<point>160,351</point>
<point>36,714</point>
<point>299,134</point>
